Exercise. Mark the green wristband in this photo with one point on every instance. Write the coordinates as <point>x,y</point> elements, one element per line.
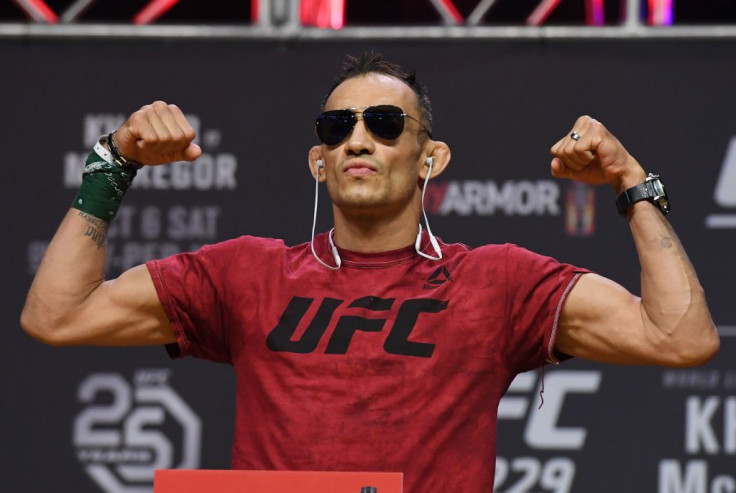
<point>103,187</point>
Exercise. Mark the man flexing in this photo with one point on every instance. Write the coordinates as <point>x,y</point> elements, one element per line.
<point>376,346</point>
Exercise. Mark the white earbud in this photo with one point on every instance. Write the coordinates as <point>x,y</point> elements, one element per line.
<point>429,161</point>
<point>320,164</point>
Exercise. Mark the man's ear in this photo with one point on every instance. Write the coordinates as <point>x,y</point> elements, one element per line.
<point>438,153</point>
<point>316,163</point>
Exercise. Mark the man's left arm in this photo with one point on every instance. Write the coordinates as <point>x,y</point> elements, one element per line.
<point>670,323</point>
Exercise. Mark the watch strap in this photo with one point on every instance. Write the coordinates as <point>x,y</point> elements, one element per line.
<point>630,196</point>
<point>648,190</point>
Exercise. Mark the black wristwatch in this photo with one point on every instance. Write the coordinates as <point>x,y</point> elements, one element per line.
<point>651,190</point>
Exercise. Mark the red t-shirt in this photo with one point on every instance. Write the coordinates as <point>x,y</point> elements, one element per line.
<point>392,363</point>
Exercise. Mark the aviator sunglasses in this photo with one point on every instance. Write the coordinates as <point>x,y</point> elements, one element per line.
<point>386,121</point>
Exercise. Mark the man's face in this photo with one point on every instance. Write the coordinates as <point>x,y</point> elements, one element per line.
<point>366,173</point>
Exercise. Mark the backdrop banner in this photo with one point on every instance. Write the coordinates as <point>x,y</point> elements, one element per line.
<point>102,419</point>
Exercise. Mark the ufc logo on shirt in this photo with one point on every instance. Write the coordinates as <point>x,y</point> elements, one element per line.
<point>397,341</point>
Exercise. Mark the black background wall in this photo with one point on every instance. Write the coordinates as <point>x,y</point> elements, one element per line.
<point>95,419</point>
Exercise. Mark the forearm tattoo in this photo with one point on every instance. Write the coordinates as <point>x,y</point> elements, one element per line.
<point>666,242</point>
<point>669,238</point>
<point>96,229</point>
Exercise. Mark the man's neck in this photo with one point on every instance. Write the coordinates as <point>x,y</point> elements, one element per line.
<point>370,233</point>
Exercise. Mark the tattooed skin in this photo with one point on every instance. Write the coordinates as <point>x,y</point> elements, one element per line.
<point>96,229</point>
<point>666,242</point>
<point>668,239</point>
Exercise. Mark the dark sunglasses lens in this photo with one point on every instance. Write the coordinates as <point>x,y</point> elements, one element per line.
<point>385,121</point>
<point>333,126</point>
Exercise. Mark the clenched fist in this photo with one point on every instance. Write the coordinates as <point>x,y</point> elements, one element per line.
<point>591,154</point>
<point>157,133</point>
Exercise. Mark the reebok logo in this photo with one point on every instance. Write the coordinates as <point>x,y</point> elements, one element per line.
<point>725,191</point>
<point>438,278</point>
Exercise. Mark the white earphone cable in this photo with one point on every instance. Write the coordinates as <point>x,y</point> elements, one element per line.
<point>335,254</point>
<point>432,239</point>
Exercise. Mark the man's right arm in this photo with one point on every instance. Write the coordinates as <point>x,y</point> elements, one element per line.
<point>70,302</point>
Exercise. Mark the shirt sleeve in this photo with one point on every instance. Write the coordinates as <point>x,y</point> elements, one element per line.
<point>189,286</point>
<point>537,287</point>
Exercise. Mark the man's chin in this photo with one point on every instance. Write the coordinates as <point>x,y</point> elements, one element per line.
<point>362,205</point>
<point>359,204</point>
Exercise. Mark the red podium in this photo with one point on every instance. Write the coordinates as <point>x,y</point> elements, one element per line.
<point>210,481</point>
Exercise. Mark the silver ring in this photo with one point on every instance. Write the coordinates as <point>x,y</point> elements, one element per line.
<point>575,136</point>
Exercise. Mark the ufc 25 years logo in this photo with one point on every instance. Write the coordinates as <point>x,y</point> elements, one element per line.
<point>397,341</point>
<point>125,432</point>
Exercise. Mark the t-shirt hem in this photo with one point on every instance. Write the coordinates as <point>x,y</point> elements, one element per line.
<point>552,355</point>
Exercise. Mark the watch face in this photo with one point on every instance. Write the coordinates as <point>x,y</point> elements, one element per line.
<point>660,198</point>
<point>659,188</point>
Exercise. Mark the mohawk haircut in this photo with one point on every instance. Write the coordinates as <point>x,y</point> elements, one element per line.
<point>374,63</point>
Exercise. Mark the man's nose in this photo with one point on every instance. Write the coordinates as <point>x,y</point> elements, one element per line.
<point>359,141</point>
